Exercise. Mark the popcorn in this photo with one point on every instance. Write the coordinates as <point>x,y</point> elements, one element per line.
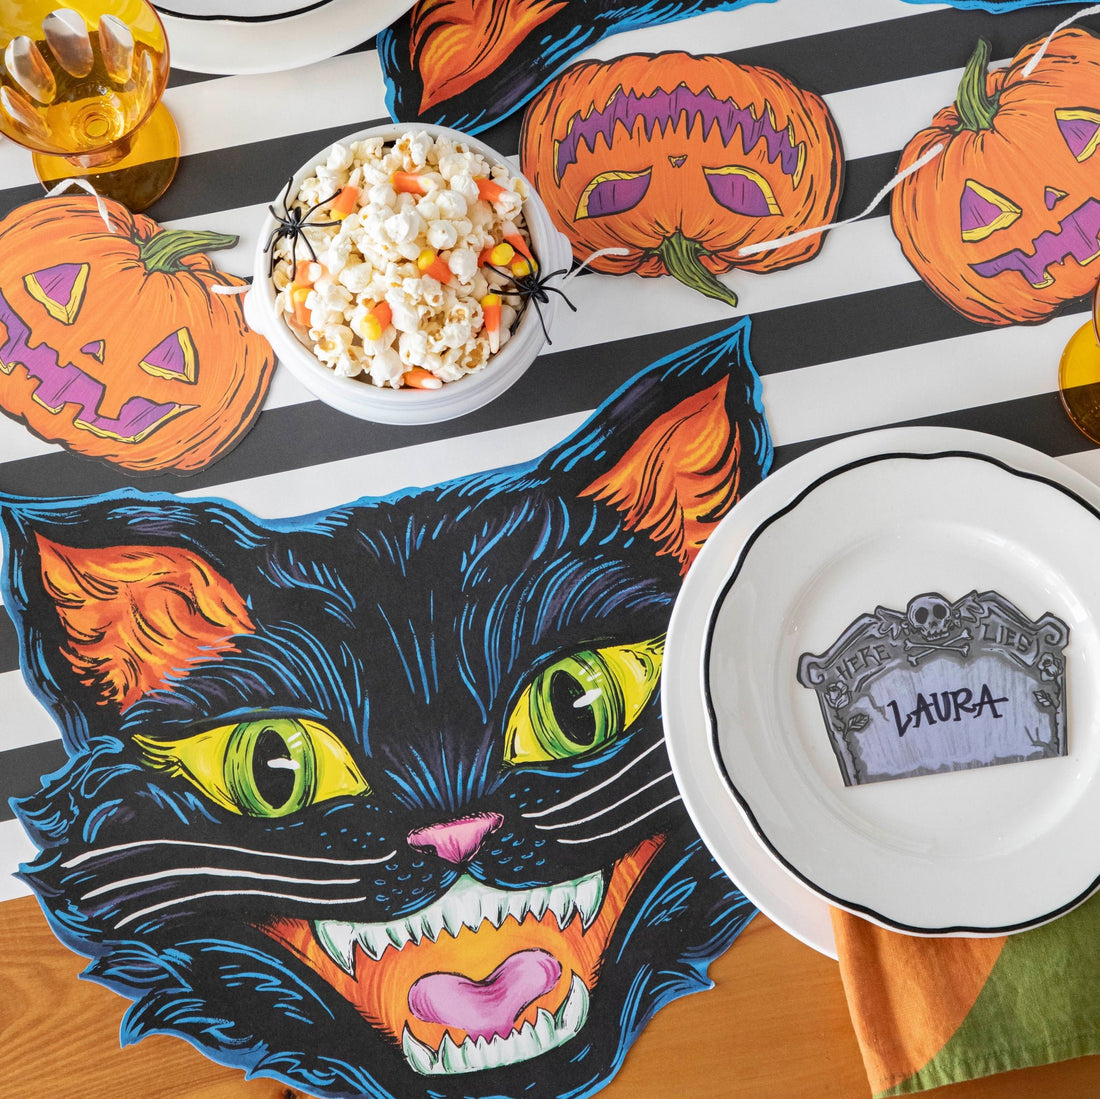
<point>368,261</point>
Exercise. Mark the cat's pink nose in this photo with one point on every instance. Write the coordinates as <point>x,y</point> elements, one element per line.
<point>456,840</point>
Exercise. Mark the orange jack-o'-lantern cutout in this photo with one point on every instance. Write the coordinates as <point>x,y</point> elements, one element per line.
<point>682,161</point>
<point>113,344</point>
<point>1004,224</point>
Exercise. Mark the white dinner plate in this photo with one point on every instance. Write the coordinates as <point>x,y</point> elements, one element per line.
<point>268,39</point>
<point>988,850</point>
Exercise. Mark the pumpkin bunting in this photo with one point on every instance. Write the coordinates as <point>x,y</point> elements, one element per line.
<point>683,161</point>
<point>113,344</point>
<point>1004,224</point>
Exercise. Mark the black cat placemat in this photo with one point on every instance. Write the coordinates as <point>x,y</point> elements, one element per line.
<point>376,801</point>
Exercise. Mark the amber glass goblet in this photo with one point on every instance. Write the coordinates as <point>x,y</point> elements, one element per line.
<point>1079,375</point>
<point>80,86</point>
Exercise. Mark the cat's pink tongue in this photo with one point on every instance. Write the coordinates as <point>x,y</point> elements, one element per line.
<point>489,1007</point>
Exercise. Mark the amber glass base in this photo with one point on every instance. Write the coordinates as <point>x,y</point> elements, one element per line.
<point>136,179</point>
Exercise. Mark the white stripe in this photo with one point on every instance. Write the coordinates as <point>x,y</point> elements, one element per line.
<point>756,25</point>
<point>26,720</point>
<point>15,847</point>
<point>280,495</point>
<point>998,364</point>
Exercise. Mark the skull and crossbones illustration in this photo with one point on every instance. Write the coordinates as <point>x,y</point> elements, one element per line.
<point>933,619</point>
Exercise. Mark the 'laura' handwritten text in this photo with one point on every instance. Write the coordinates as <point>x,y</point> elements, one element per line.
<point>945,706</point>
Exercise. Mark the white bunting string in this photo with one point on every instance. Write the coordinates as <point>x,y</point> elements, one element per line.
<point>767,245</point>
<point>1029,68</point>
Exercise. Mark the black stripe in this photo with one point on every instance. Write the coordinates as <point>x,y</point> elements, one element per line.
<point>244,175</point>
<point>559,383</point>
<point>22,770</point>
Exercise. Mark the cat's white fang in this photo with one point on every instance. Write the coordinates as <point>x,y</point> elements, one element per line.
<point>420,1056</point>
<point>537,900</point>
<point>467,903</point>
<point>589,898</point>
<point>544,1027</point>
<point>570,1017</point>
<point>338,939</point>
<point>373,939</point>
<point>474,1055</point>
<point>562,903</point>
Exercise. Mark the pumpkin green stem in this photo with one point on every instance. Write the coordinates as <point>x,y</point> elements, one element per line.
<point>680,255</point>
<point>973,104</point>
<point>165,250</point>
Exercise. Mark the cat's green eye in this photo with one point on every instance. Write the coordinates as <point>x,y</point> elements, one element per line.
<point>265,768</point>
<point>582,701</point>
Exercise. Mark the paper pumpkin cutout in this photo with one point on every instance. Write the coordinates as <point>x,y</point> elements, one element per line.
<point>682,160</point>
<point>1005,223</point>
<point>469,63</point>
<point>112,343</point>
<point>376,801</point>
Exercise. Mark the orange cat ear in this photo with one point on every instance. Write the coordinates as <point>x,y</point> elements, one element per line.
<point>138,616</point>
<point>681,475</point>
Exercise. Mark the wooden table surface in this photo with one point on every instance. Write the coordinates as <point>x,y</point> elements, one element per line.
<point>774,1027</point>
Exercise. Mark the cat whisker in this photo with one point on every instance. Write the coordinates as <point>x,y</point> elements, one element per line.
<point>594,789</point>
<point>104,852</point>
<point>215,872</point>
<point>234,893</point>
<point>624,827</point>
<point>606,809</point>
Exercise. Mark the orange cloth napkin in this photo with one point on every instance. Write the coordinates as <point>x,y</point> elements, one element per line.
<point>935,1011</point>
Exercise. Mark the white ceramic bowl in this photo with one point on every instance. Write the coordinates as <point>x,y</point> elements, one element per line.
<point>410,406</point>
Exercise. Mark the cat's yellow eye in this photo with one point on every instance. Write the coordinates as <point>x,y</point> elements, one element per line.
<point>582,702</point>
<point>265,768</point>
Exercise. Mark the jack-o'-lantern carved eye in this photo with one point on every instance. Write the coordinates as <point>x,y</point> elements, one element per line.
<point>613,193</point>
<point>742,190</point>
<point>1080,130</point>
<point>59,289</point>
<point>983,211</point>
<point>174,358</point>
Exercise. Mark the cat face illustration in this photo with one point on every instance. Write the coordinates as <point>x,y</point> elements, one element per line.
<point>376,801</point>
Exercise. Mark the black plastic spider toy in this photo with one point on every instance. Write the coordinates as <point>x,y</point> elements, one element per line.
<point>292,225</point>
<point>532,287</point>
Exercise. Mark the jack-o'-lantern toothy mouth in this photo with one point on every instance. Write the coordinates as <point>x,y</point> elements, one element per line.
<point>1077,237</point>
<point>60,385</point>
<point>661,110</point>
<point>482,977</point>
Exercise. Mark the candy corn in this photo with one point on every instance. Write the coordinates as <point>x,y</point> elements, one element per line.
<point>375,322</point>
<point>490,308</point>
<point>408,183</point>
<point>344,202</point>
<point>499,255</point>
<point>489,189</point>
<point>419,378</point>
<point>298,295</point>
<point>513,237</point>
<point>431,263</point>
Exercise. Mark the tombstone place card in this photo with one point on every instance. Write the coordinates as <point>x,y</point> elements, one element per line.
<point>941,686</point>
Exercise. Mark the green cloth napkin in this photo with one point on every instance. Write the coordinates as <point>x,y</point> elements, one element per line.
<point>935,1011</point>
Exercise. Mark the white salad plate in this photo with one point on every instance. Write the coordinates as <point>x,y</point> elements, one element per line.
<point>217,36</point>
<point>871,521</point>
